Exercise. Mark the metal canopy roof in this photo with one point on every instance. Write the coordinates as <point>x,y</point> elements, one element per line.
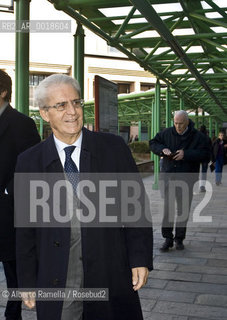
<point>182,42</point>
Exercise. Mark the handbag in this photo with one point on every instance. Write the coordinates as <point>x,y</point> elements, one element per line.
<point>212,167</point>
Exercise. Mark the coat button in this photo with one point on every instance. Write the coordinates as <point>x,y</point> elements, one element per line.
<point>56,243</point>
<point>80,258</point>
<point>55,282</point>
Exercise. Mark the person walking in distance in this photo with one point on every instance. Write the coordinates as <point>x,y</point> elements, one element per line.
<point>219,156</point>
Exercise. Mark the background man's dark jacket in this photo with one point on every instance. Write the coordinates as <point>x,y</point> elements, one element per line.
<point>108,253</point>
<point>17,133</point>
<point>215,147</point>
<point>194,143</point>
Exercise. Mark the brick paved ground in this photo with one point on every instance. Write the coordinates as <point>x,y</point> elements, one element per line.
<point>189,284</point>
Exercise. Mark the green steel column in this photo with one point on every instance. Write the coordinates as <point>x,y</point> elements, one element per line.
<point>79,57</point>
<point>196,119</point>
<point>156,130</point>
<point>210,127</point>
<point>22,60</point>
<point>181,103</point>
<point>17,58</point>
<point>216,128</point>
<point>41,127</point>
<point>152,126</point>
<point>139,130</point>
<point>153,119</point>
<point>148,130</point>
<point>168,107</point>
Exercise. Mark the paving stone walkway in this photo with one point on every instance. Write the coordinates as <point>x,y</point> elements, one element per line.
<point>189,284</point>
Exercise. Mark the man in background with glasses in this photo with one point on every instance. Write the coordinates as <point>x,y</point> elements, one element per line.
<point>116,258</point>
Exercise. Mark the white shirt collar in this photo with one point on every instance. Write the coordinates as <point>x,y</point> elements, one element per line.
<point>61,145</point>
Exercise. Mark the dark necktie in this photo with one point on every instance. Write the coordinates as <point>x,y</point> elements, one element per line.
<point>70,167</point>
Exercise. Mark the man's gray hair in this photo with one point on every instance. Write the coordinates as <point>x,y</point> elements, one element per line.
<point>181,113</point>
<point>41,92</point>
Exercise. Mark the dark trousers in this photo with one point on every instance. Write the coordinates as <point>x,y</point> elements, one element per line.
<point>13,308</point>
<point>218,168</point>
<point>204,170</point>
<point>183,196</point>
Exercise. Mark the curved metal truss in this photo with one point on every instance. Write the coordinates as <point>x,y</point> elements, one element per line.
<point>182,42</point>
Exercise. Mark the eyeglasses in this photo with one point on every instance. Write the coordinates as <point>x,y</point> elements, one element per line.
<point>62,106</point>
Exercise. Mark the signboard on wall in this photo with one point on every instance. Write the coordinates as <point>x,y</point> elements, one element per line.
<point>106,105</point>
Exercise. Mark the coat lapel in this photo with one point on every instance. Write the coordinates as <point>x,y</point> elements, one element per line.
<point>85,156</point>
<point>52,164</point>
<point>4,120</point>
<point>85,161</point>
<point>51,160</point>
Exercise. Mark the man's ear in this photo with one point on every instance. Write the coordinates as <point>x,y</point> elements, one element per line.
<point>44,114</point>
<point>3,94</point>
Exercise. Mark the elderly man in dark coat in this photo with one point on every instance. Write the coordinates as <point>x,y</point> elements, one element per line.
<point>17,133</point>
<point>182,148</point>
<point>117,258</point>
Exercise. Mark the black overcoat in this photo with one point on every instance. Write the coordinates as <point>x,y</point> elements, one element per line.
<point>215,147</point>
<point>17,133</point>
<point>194,143</point>
<point>108,254</point>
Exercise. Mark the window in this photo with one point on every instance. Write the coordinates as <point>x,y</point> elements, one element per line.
<point>35,79</point>
<point>146,86</point>
<point>124,87</point>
